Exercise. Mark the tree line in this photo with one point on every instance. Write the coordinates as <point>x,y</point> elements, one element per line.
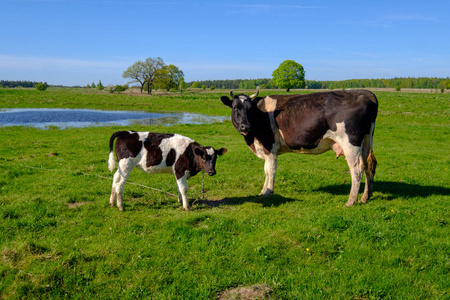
<point>17,83</point>
<point>267,83</point>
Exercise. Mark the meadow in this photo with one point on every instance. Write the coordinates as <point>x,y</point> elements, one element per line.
<point>60,239</point>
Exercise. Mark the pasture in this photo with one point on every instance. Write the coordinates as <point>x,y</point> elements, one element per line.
<point>60,239</point>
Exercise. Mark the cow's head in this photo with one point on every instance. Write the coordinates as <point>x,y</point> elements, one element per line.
<point>241,110</point>
<point>207,158</point>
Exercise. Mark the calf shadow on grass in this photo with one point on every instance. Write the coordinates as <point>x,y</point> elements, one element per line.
<point>269,201</point>
<point>391,190</point>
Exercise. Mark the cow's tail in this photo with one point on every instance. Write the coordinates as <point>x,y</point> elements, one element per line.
<point>112,159</point>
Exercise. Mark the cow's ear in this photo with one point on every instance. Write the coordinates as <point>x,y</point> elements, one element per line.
<point>225,100</point>
<point>221,151</point>
<point>199,152</point>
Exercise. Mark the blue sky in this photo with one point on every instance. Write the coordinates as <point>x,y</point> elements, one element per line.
<point>77,42</point>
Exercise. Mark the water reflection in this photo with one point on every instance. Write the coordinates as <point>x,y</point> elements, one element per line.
<point>44,118</point>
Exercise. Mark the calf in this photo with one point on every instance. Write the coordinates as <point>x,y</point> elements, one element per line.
<point>157,153</point>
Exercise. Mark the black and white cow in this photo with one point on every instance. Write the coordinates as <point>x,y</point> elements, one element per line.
<point>158,153</point>
<point>343,121</point>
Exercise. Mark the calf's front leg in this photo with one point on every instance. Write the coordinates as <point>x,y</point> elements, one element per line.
<point>182,191</point>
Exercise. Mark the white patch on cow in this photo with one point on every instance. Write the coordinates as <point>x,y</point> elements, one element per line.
<point>178,142</point>
<point>329,140</point>
<point>259,149</point>
<point>111,161</point>
<point>267,104</point>
<point>142,135</point>
<point>242,98</point>
<point>210,151</point>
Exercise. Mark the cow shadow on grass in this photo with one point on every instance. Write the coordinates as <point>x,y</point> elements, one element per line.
<point>273,200</point>
<point>391,190</point>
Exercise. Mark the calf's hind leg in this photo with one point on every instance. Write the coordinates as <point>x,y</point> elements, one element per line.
<point>120,178</point>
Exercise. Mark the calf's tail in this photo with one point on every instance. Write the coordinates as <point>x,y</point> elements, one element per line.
<point>112,159</point>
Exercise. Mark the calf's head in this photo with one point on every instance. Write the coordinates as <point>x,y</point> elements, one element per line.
<point>207,158</point>
<point>241,110</point>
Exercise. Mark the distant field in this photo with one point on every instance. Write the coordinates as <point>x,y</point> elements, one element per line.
<point>60,239</point>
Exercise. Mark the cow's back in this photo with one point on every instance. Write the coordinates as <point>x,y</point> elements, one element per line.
<point>303,120</point>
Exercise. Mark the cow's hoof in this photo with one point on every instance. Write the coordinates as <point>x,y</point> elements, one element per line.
<point>121,209</point>
<point>266,193</point>
<point>364,198</point>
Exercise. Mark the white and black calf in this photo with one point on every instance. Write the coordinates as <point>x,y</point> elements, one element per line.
<point>158,153</point>
<point>342,121</point>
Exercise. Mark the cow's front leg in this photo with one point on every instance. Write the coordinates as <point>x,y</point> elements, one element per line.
<point>180,198</point>
<point>182,190</point>
<point>270,169</point>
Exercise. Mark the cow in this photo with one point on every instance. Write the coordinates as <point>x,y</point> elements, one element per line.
<point>342,121</point>
<point>158,153</point>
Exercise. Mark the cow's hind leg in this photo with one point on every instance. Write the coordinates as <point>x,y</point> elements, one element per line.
<point>354,159</point>
<point>370,164</point>
<point>120,178</point>
<point>113,198</point>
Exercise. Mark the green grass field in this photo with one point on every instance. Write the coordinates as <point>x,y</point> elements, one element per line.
<point>60,239</point>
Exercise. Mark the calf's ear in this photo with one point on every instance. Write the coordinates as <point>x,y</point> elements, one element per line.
<point>221,151</point>
<point>199,152</point>
<point>225,100</point>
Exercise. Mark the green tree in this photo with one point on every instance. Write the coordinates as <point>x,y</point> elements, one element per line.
<point>100,85</point>
<point>162,79</point>
<point>196,85</point>
<point>93,85</point>
<point>144,72</point>
<point>288,75</point>
<point>174,74</point>
<point>182,85</point>
<point>41,86</point>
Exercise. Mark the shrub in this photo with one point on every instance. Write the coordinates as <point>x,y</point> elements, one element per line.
<point>41,86</point>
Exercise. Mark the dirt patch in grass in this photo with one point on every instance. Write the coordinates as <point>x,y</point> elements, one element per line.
<point>253,292</point>
<point>77,204</point>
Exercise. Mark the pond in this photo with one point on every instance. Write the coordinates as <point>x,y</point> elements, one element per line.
<point>43,118</point>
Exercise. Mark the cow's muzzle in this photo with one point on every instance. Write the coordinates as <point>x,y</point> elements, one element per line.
<point>244,129</point>
<point>212,172</point>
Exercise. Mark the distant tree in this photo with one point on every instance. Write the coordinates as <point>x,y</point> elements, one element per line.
<point>174,74</point>
<point>41,86</point>
<point>100,85</point>
<point>145,72</point>
<point>288,75</point>
<point>162,79</point>
<point>182,85</point>
<point>117,88</point>
<point>93,85</point>
<point>204,87</point>
<point>196,85</point>
<point>212,88</point>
